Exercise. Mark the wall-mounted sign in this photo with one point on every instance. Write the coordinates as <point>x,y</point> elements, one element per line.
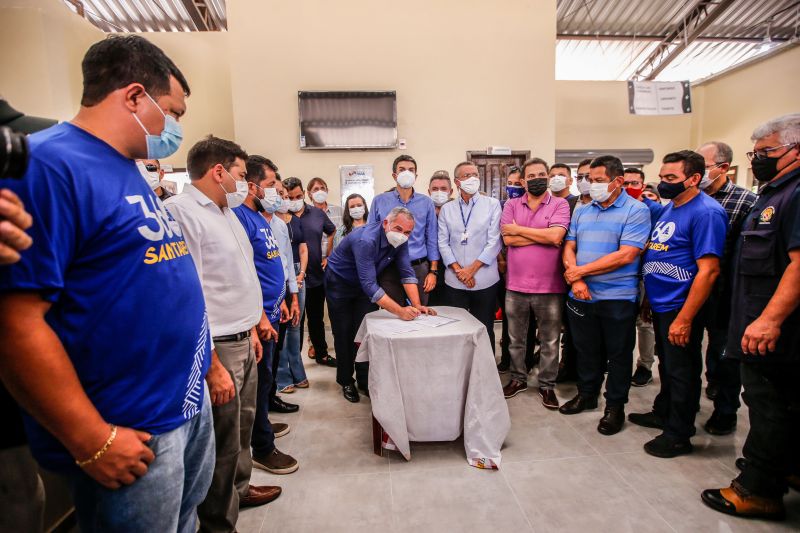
<point>659,97</point>
<point>357,179</point>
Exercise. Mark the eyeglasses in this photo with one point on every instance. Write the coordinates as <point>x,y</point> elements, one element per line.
<point>582,176</point>
<point>763,154</point>
<point>468,176</point>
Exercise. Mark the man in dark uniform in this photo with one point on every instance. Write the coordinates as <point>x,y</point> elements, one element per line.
<point>765,328</point>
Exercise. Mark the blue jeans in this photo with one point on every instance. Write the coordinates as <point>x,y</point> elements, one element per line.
<point>290,364</point>
<point>166,497</point>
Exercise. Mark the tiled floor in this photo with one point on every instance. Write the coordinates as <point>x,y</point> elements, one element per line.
<point>558,474</point>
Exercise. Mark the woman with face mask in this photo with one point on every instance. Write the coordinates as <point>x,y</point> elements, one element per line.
<point>354,215</point>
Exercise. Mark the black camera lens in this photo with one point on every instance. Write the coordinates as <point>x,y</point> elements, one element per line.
<point>150,167</point>
<point>13,153</point>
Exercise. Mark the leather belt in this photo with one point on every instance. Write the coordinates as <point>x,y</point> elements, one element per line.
<point>233,338</point>
<point>419,261</point>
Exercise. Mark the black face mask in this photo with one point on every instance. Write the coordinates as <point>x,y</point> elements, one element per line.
<point>671,190</point>
<point>765,169</point>
<point>536,186</point>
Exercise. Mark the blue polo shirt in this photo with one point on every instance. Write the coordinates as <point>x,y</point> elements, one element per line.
<point>365,253</point>
<point>424,240</point>
<point>267,259</point>
<point>126,302</point>
<point>599,231</point>
<point>681,236</point>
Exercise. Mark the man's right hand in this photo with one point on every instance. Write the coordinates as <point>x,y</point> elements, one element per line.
<point>14,220</point>
<point>408,313</point>
<point>125,460</point>
<point>581,290</point>
<point>220,384</point>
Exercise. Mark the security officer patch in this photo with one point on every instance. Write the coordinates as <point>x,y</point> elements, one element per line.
<point>766,215</point>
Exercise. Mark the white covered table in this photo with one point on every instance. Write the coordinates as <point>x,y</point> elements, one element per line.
<point>435,383</point>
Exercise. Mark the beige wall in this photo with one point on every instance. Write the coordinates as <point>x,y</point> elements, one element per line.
<point>735,104</point>
<point>594,114</point>
<point>468,74</point>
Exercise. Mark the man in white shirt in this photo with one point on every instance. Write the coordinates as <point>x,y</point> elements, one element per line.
<point>469,242</point>
<point>223,257</point>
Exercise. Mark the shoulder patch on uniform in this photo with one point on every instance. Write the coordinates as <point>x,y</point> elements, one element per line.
<point>766,215</point>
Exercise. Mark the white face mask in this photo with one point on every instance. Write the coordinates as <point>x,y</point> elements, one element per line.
<point>584,186</point>
<point>271,201</point>
<point>470,185</point>
<point>319,196</point>
<point>406,179</point>
<point>558,183</point>
<point>439,198</point>
<point>151,178</point>
<point>396,238</point>
<point>357,213</point>
<point>283,207</point>
<point>706,182</point>
<point>599,192</point>
<point>235,199</point>
<point>295,205</point>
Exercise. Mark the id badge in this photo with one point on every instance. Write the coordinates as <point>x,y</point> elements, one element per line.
<point>464,237</point>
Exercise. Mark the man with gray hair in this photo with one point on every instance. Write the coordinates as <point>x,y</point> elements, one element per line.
<point>765,333</point>
<point>352,288</point>
<point>722,369</point>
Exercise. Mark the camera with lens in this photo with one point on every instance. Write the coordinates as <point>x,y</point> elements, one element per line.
<point>13,153</point>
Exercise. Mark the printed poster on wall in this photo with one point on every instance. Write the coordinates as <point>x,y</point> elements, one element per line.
<point>659,97</point>
<point>357,179</point>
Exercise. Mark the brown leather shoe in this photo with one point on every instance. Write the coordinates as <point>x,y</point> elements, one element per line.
<point>259,495</point>
<point>549,399</point>
<point>736,501</point>
<point>513,388</point>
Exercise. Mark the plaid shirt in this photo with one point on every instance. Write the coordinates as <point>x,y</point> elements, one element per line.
<point>737,203</point>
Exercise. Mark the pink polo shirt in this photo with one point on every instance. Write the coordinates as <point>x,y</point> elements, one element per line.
<point>536,268</point>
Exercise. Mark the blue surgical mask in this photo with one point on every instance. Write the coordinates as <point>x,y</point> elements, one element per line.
<point>514,191</point>
<point>168,142</point>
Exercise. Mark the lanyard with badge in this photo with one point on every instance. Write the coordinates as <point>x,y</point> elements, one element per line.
<point>465,234</point>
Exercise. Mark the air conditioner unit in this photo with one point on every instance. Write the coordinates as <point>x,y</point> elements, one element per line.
<point>498,150</point>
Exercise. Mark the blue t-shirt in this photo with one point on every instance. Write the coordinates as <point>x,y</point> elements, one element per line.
<point>127,304</point>
<point>267,257</point>
<point>680,237</point>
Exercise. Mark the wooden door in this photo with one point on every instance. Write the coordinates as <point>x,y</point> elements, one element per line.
<point>494,170</point>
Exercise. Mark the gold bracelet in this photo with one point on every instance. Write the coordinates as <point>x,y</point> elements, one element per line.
<point>101,451</point>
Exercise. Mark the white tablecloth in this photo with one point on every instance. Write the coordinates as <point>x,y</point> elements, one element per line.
<point>434,383</point>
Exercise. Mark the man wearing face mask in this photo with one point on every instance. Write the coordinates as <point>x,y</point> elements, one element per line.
<point>223,255</point>
<point>722,372</point>
<point>601,261</point>
<point>469,241</point>
<point>533,227</point>
<point>680,266</point>
<point>765,334</point>
<point>439,189</point>
<point>582,181</point>
<point>153,174</point>
<point>272,277</point>
<point>561,182</point>
<point>113,397</point>
<point>422,245</point>
<point>353,289</point>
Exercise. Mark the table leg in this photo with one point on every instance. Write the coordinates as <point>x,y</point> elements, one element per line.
<point>377,437</point>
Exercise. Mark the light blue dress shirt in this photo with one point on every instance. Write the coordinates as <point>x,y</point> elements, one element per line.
<point>281,233</point>
<point>422,242</point>
<point>481,217</point>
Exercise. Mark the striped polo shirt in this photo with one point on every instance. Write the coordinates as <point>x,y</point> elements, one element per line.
<point>599,231</point>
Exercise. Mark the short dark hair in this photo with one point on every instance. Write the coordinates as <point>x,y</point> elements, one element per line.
<point>585,162</point>
<point>612,164</point>
<point>562,165</point>
<point>255,169</point>
<point>403,157</point>
<point>634,170</point>
<point>533,161</point>
<point>314,181</point>
<point>347,220</point>
<point>212,151</point>
<point>291,183</point>
<point>693,163</point>
<point>118,61</point>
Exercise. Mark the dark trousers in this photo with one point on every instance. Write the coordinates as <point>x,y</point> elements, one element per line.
<point>315,314</point>
<point>569,354</point>
<point>348,305</point>
<point>263,439</point>
<point>481,304</point>
<point>437,295</point>
<point>505,339</point>
<point>772,396</point>
<point>281,329</point>
<point>604,334</point>
<point>721,370</point>
<point>680,369</point>
<point>389,280</point>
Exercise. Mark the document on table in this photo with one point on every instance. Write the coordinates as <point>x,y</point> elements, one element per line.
<point>434,321</point>
<point>396,325</point>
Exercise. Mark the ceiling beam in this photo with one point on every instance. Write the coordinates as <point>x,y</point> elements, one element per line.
<point>690,28</point>
<point>653,38</point>
<point>200,14</point>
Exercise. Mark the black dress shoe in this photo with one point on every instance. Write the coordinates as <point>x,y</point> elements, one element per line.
<point>578,404</point>
<point>612,421</point>
<point>350,394</point>
<point>667,448</point>
<point>648,420</point>
<point>279,406</point>
<point>363,389</point>
<point>325,360</point>
<point>719,424</point>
